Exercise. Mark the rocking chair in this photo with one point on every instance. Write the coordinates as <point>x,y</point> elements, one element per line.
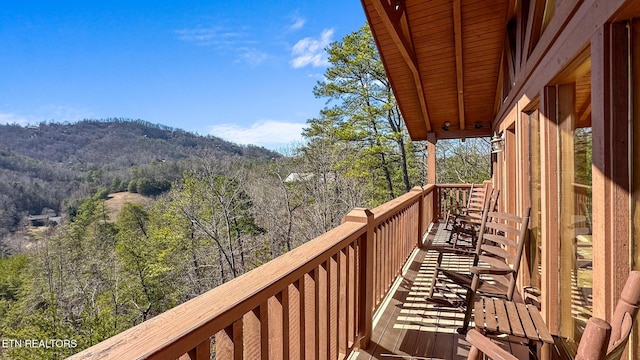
<point>473,208</point>
<point>495,265</point>
<point>600,339</point>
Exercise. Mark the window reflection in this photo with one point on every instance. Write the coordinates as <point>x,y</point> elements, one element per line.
<point>576,246</point>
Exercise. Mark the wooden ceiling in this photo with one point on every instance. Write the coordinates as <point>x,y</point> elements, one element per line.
<point>443,58</point>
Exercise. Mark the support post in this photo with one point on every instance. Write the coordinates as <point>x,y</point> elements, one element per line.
<point>365,276</point>
<point>611,188</point>
<point>431,158</point>
<point>549,206</point>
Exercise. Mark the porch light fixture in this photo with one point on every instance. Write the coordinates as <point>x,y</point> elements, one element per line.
<point>446,125</point>
<point>497,143</point>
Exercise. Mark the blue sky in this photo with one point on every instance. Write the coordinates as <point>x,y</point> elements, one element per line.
<point>240,70</point>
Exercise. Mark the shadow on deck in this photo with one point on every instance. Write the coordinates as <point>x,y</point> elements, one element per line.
<point>406,326</point>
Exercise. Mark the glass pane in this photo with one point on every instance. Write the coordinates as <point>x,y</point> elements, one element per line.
<point>576,301</point>
<point>535,268</point>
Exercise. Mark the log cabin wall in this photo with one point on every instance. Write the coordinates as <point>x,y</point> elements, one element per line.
<point>573,82</point>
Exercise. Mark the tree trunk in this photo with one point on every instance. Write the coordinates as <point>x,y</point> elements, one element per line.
<point>403,160</point>
<point>393,117</point>
<point>383,161</point>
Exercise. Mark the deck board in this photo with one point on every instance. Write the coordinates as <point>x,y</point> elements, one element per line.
<point>407,327</point>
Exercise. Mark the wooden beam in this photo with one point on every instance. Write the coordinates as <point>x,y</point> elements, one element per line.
<point>390,18</point>
<point>584,113</point>
<point>534,26</point>
<point>510,55</point>
<point>522,12</point>
<point>499,87</point>
<point>457,30</point>
<point>459,134</point>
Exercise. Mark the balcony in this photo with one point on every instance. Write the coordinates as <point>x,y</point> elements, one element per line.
<point>355,291</point>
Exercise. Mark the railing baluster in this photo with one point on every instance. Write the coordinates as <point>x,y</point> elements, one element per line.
<point>388,254</point>
<point>229,342</point>
<point>391,240</point>
<point>395,244</point>
<point>200,352</point>
<point>377,260</point>
<point>386,262</point>
<point>252,341</point>
<point>379,236</point>
<point>351,295</point>
<point>321,311</point>
<point>275,330</point>
<point>332,301</point>
<point>296,329</point>
<point>285,302</point>
<point>343,316</point>
<point>263,317</point>
<point>399,242</point>
<point>309,312</point>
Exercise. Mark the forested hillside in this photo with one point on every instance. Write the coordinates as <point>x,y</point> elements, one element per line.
<point>218,210</point>
<point>113,142</point>
<point>50,165</point>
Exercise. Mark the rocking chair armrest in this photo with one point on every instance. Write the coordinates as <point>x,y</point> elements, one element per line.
<point>468,223</point>
<point>488,347</point>
<point>490,271</point>
<point>455,251</point>
<point>469,219</point>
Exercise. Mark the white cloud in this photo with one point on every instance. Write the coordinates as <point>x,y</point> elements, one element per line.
<point>57,113</point>
<point>61,113</point>
<point>252,56</point>
<point>9,118</point>
<point>297,22</point>
<point>310,51</point>
<point>209,36</point>
<point>272,134</point>
<point>237,42</point>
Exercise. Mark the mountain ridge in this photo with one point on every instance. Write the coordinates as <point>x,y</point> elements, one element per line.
<point>85,141</point>
<point>43,165</point>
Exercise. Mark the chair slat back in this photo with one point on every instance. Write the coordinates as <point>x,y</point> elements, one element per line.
<point>501,244</point>
<point>478,198</point>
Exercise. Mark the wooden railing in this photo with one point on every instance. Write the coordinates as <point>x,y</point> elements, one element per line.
<point>582,206</point>
<point>451,195</point>
<point>316,301</point>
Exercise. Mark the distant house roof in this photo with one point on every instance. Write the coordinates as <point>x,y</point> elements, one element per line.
<point>46,217</point>
<point>296,177</point>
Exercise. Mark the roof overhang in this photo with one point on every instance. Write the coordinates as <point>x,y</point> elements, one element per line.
<point>443,59</point>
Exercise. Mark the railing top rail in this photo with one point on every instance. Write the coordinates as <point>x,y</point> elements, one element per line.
<point>390,208</point>
<point>456,186</point>
<point>178,330</point>
<point>583,186</point>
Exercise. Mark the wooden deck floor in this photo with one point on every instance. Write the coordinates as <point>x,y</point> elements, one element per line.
<point>406,326</point>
